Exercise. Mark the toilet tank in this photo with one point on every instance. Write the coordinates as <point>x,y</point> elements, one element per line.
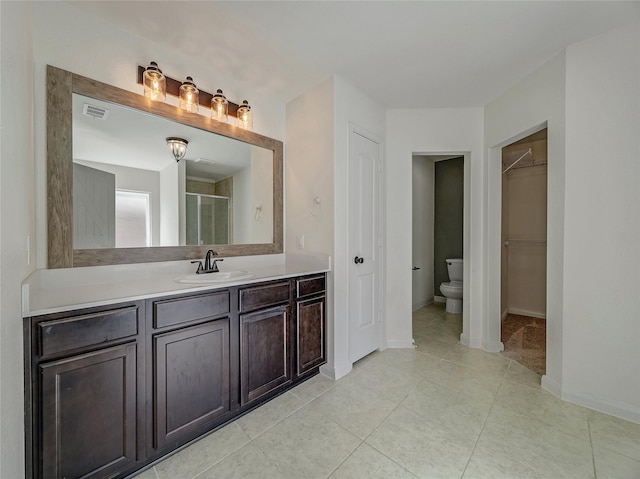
<point>455,268</point>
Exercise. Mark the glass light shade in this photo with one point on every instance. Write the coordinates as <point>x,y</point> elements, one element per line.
<point>219,107</point>
<point>245,116</point>
<point>177,147</point>
<point>189,96</point>
<point>155,84</point>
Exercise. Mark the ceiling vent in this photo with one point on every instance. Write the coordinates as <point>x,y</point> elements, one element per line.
<point>95,112</point>
<point>205,161</point>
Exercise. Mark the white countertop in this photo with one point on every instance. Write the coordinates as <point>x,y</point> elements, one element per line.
<point>53,290</point>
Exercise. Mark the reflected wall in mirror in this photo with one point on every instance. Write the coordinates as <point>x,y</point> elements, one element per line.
<point>116,195</point>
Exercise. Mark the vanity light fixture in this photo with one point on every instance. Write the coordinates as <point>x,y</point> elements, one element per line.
<point>219,107</point>
<point>245,117</point>
<point>189,96</point>
<point>177,146</point>
<point>155,83</point>
<point>173,87</point>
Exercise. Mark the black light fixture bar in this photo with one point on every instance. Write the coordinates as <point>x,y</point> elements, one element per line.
<point>173,88</point>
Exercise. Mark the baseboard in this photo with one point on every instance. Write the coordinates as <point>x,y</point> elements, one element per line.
<point>505,313</point>
<point>622,411</point>
<point>493,346</point>
<point>400,344</point>
<point>552,386</point>
<point>524,312</point>
<point>422,305</point>
<point>333,373</point>
<point>472,343</point>
<point>439,299</point>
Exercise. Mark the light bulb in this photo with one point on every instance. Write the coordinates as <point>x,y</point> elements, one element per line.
<point>189,96</point>
<point>245,116</point>
<point>219,107</point>
<point>155,84</point>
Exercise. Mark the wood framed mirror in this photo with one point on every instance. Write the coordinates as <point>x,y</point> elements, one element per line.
<point>66,88</point>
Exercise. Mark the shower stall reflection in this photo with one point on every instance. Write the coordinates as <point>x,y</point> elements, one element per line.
<point>207,219</point>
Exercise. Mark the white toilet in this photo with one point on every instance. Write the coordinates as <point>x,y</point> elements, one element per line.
<point>452,290</point>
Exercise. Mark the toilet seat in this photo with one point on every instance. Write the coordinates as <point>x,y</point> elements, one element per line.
<point>452,289</point>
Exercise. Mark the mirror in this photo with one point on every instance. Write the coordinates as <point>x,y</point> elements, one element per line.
<point>225,194</point>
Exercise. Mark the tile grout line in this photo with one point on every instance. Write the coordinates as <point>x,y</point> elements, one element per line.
<point>484,424</point>
<point>364,441</point>
<point>593,456</point>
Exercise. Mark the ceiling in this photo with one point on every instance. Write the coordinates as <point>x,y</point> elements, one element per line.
<point>403,54</point>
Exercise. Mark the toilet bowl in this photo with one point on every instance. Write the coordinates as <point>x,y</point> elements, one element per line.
<point>452,290</point>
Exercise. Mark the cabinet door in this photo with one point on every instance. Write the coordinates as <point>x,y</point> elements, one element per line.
<point>89,414</point>
<point>191,369</point>
<point>264,356</point>
<point>310,351</point>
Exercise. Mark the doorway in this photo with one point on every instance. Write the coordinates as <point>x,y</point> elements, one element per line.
<point>437,223</point>
<point>523,272</point>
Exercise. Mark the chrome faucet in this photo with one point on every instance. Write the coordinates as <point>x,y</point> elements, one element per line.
<point>210,264</point>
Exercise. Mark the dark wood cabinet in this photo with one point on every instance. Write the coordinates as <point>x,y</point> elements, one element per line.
<point>192,381</point>
<point>193,361</point>
<point>84,392</point>
<point>310,334</point>
<point>111,389</point>
<point>310,324</point>
<point>88,415</point>
<point>265,358</point>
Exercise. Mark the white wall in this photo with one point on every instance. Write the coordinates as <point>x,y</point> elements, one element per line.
<point>261,195</point>
<point>309,170</point>
<point>309,174</point>
<point>423,177</point>
<point>69,38</point>
<point>169,207</point>
<point>242,215</point>
<point>16,221</point>
<point>537,101</point>
<point>601,317</point>
<point>434,131</point>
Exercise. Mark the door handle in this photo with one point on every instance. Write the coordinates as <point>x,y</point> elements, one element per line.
<point>415,268</point>
<point>358,260</point>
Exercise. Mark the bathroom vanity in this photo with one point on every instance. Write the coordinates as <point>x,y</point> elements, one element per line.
<point>130,355</point>
<point>112,385</point>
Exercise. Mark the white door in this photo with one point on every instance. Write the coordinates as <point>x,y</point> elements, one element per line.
<point>364,247</point>
<point>94,208</point>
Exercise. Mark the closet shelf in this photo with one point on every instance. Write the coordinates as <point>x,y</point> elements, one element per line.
<point>520,241</point>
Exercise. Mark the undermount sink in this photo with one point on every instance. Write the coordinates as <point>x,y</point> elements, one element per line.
<point>220,277</point>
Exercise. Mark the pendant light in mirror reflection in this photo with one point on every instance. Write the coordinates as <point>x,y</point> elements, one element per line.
<point>189,96</point>
<point>245,116</point>
<point>177,147</point>
<point>155,83</point>
<point>219,107</point>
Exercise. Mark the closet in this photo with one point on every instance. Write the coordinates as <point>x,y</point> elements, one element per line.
<point>524,249</point>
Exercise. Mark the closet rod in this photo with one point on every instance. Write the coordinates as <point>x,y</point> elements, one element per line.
<point>528,152</point>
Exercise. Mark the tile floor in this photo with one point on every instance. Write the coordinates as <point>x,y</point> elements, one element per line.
<point>525,341</point>
<point>438,411</point>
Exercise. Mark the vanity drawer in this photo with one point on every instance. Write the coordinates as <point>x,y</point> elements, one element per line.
<point>312,285</point>
<point>79,332</point>
<point>263,296</point>
<point>192,308</point>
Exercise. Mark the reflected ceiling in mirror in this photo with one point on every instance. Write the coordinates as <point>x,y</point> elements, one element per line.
<point>231,150</point>
<point>130,144</point>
